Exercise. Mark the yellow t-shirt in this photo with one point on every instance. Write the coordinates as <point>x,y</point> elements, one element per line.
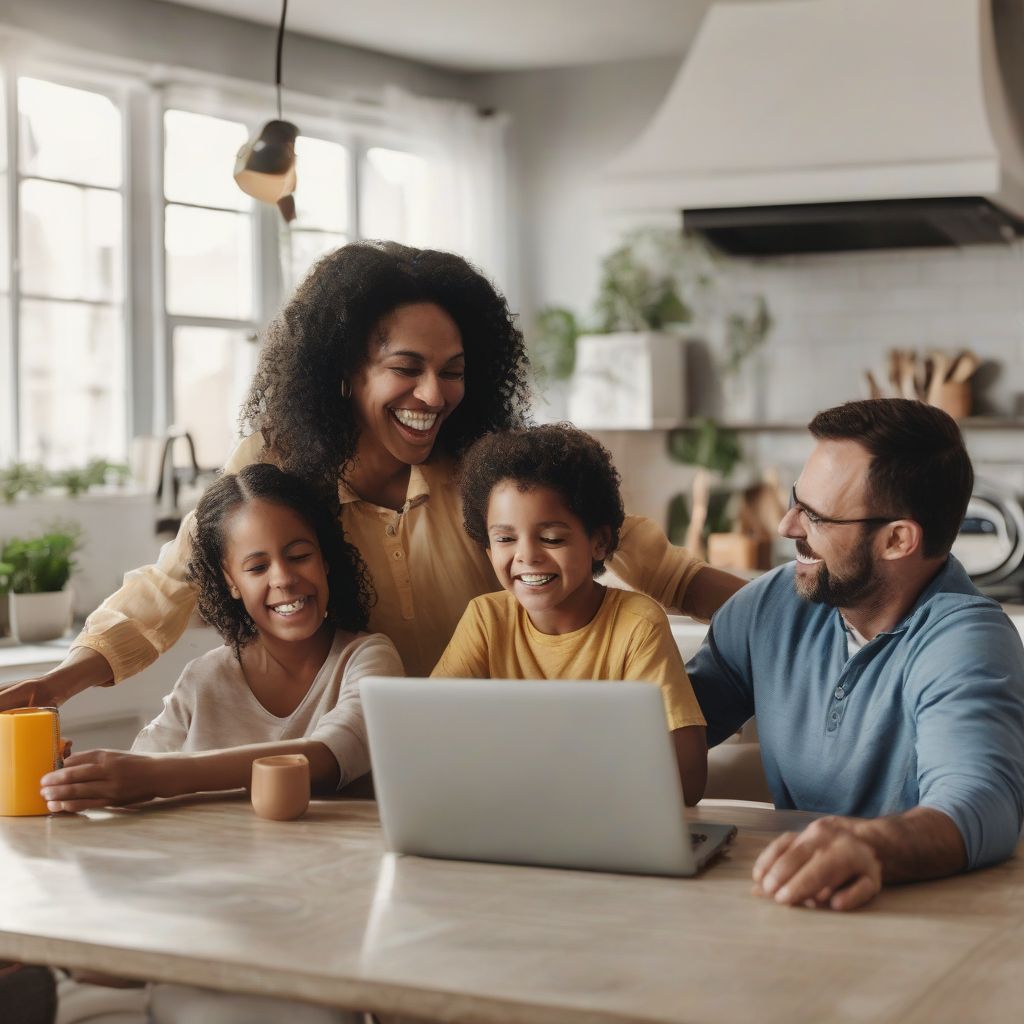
<point>628,638</point>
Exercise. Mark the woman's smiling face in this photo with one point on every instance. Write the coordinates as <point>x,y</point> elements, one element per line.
<point>412,381</point>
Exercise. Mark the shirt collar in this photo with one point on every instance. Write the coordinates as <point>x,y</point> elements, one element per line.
<point>417,492</point>
<point>952,578</point>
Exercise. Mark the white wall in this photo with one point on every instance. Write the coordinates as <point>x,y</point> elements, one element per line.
<point>565,125</point>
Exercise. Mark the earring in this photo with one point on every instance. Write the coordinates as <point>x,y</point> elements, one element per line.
<point>346,389</point>
<point>236,593</point>
<point>325,615</point>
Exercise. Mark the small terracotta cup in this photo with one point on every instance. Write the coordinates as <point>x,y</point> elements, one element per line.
<point>280,786</point>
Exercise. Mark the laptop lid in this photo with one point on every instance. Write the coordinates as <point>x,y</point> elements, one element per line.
<point>558,773</point>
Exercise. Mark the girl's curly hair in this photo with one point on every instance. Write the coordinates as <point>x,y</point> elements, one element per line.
<point>350,592</point>
<point>322,337</point>
<point>559,456</point>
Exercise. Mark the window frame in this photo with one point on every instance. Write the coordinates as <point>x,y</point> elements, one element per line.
<point>142,95</point>
<point>117,89</point>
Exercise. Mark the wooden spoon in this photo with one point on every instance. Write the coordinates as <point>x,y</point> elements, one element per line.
<point>940,367</point>
<point>964,367</point>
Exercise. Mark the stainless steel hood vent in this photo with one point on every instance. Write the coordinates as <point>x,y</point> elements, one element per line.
<point>825,125</point>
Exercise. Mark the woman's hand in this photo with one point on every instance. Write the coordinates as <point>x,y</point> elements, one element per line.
<point>106,778</point>
<point>82,668</point>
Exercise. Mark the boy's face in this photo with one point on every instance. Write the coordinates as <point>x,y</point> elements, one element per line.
<point>542,554</point>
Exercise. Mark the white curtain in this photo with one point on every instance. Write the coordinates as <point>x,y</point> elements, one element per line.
<point>465,202</point>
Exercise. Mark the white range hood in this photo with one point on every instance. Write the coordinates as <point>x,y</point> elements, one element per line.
<point>897,120</point>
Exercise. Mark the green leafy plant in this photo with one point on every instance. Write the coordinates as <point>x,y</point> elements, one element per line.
<point>554,348</point>
<point>6,571</point>
<point>22,478</point>
<point>707,444</point>
<point>640,283</point>
<point>43,564</point>
<point>713,447</point>
<point>654,278</point>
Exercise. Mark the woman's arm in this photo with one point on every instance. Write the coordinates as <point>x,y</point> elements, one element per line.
<point>81,669</point>
<point>707,592</point>
<point>134,626</point>
<point>112,778</point>
<point>647,561</point>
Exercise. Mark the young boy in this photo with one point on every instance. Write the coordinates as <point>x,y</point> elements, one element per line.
<point>545,503</point>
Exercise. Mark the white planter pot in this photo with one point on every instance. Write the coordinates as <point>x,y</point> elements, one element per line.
<point>36,617</point>
<point>629,381</point>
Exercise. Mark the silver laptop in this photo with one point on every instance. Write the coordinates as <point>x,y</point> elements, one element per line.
<point>556,773</point>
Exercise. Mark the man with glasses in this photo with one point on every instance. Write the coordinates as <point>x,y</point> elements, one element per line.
<point>889,692</point>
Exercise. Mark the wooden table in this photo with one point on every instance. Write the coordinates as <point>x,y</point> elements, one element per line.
<point>203,891</point>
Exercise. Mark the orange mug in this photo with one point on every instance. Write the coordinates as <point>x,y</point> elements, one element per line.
<point>30,746</point>
<point>280,786</point>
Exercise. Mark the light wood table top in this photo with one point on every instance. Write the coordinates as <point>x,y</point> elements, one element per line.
<point>202,891</point>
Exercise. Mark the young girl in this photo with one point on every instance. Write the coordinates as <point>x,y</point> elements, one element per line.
<point>544,502</point>
<point>277,579</point>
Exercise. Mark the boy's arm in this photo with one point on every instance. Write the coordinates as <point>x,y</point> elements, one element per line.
<point>655,658</point>
<point>691,747</point>
<point>106,778</point>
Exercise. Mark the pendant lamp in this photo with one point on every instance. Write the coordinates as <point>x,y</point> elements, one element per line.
<point>265,165</point>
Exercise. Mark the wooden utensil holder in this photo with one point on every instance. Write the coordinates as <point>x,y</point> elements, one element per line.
<point>953,397</point>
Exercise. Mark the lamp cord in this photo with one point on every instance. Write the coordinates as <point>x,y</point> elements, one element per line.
<point>280,47</point>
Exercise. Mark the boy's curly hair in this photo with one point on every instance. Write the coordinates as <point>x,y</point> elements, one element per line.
<point>557,456</point>
<point>350,592</point>
<point>322,337</point>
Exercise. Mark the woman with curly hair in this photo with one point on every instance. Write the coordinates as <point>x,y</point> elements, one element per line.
<point>275,576</point>
<point>384,366</point>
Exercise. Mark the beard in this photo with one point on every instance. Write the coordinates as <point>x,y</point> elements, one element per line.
<point>846,586</point>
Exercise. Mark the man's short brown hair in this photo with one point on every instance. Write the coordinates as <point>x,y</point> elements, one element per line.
<point>920,468</point>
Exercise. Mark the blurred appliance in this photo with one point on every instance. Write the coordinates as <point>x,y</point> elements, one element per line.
<point>838,125</point>
<point>991,541</point>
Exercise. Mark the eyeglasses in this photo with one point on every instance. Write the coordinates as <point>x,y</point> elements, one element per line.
<point>814,519</point>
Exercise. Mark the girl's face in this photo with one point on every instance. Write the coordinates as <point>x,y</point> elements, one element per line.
<point>272,559</point>
<point>410,384</point>
<point>543,555</point>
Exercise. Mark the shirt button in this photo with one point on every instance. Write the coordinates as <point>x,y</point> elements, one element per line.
<point>834,716</point>
<point>399,555</point>
<point>840,693</point>
<point>390,531</point>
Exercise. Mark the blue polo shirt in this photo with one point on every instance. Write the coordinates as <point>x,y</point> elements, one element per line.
<point>929,713</point>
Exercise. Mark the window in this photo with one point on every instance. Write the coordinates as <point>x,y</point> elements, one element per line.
<point>209,286</point>
<point>135,275</point>
<point>70,336</point>
<point>322,201</point>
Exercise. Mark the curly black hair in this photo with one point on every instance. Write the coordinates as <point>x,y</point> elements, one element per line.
<point>322,337</point>
<point>558,456</point>
<point>350,592</point>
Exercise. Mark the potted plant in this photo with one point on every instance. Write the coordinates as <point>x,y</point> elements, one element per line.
<point>5,586</point>
<point>627,369</point>
<point>39,598</point>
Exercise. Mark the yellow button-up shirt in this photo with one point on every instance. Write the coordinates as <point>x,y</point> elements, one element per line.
<point>424,568</point>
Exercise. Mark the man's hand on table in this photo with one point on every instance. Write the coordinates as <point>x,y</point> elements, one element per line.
<point>825,865</point>
<point>104,778</point>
